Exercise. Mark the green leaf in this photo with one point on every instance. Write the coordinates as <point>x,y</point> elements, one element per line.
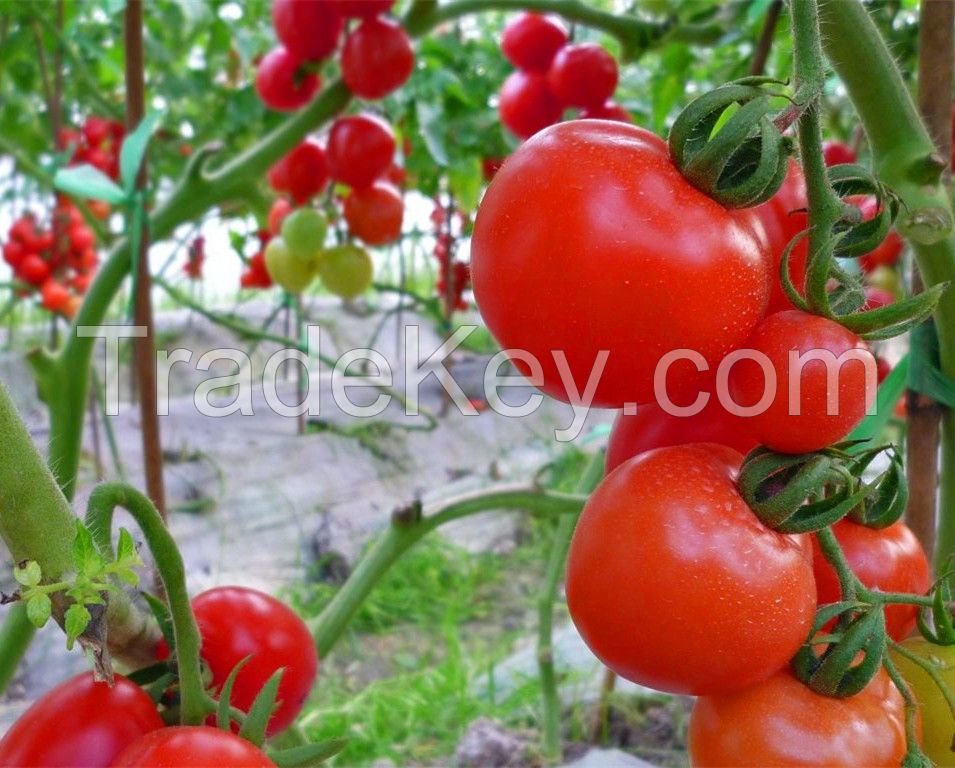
<point>28,574</point>
<point>77,619</point>
<point>87,182</point>
<point>431,120</point>
<point>465,180</point>
<point>890,390</point>
<point>223,718</point>
<point>253,729</point>
<point>308,754</point>
<point>39,608</point>
<point>88,561</point>
<point>133,150</point>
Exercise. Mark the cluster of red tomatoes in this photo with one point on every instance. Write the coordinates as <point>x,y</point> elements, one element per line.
<point>97,143</point>
<point>101,725</point>
<point>57,261</point>
<point>454,275</point>
<point>553,75</point>
<point>376,59</point>
<point>588,241</point>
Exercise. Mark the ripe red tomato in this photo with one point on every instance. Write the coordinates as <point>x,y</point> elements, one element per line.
<point>530,41</point>
<point>192,747</point>
<point>583,75</point>
<point>837,152</point>
<point>782,722</point>
<point>363,9</point>
<point>377,58</point>
<point>280,82</point>
<point>33,269</point>
<point>80,722</point>
<point>890,560</point>
<point>14,252</point>
<point>81,237</point>
<point>783,217</point>
<point>277,213</point>
<point>588,238</point>
<point>374,214</point>
<point>303,172</point>
<point>609,110</point>
<point>527,104</point>
<point>668,568</point>
<point>236,622</point>
<point>361,148</point>
<point>96,130</point>
<point>99,208</point>
<point>54,295</point>
<point>810,427</point>
<point>652,427</point>
<point>309,30</point>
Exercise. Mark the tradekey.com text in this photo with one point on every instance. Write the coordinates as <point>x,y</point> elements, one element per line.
<point>368,370</point>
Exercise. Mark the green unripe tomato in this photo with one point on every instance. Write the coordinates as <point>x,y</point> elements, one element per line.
<point>346,270</point>
<point>303,231</point>
<point>292,274</point>
<point>938,725</point>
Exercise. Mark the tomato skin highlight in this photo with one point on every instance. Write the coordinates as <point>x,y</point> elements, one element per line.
<point>377,58</point>
<point>890,560</point>
<point>527,104</point>
<point>193,746</point>
<point>360,149</point>
<point>583,75</point>
<point>374,214</point>
<point>781,722</point>
<point>938,725</point>
<point>669,568</point>
<point>652,427</point>
<point>279,84</point>
<point>309,30</point>
<point>80,722</point>
<point>531,40</point>
<point>665,267</point>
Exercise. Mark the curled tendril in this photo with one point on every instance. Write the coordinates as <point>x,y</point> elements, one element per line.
<point>941,631</point>
<point>742,162</point>
<point>838,671</point>
<point>801,493</point>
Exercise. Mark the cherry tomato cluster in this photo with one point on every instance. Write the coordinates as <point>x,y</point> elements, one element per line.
<point>57,260</point>
<point>195,259</point>
<point>376,59</point>
<point>672,579</point>
<point>454,275</point>
<point>97,143</point>
<point>553,75</point>
<point>91,723</point>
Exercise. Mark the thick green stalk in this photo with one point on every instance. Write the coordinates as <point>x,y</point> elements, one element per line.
<point>408,526</point>
<point>556,564</point>
<point>905,161</point>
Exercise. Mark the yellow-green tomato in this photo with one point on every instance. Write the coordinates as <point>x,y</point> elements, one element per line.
<point>938,725</point>
<point>303,231</point>
<point>346,270</point>
<point>292,274</point>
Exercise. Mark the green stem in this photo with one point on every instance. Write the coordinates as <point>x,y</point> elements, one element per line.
<point>556,563</point>
<point>410,525</point>
<point>15,636</point>
<point>195,703</point>
<point>99,393</point>
<point>848,581</point>
<point>905,161</point>
<point>911,712</point>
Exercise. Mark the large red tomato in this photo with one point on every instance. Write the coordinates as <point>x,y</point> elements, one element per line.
<point>781,722</point>
<point>675,584</point>
<point>192,747</point>
<point>783,217</point>
<point>890,560</point>
<point>589,239</point>
<point>377,58</point>
<point>652,427</point>
<point>531,40</point>
<point>361,148</point>
<point>236,622</point>
<point>805,425</point>
<point>527,104</point>
<point>80,722</point>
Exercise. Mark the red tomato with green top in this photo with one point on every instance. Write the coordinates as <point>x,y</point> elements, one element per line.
<point>282,84</point>
<point>589,239</point>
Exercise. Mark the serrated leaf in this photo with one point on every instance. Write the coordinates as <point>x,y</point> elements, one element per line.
<point>39,608</point>
<point>253,729</point>
<point>134,149</point>
<point>223,718</point>
<point>87,560</point>
<point>89,183</point>
<point>29,574</point>
<point>76,620</point>
<point>308,754</point>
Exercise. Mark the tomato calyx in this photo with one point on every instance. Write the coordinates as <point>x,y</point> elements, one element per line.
<point>745,161</point>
